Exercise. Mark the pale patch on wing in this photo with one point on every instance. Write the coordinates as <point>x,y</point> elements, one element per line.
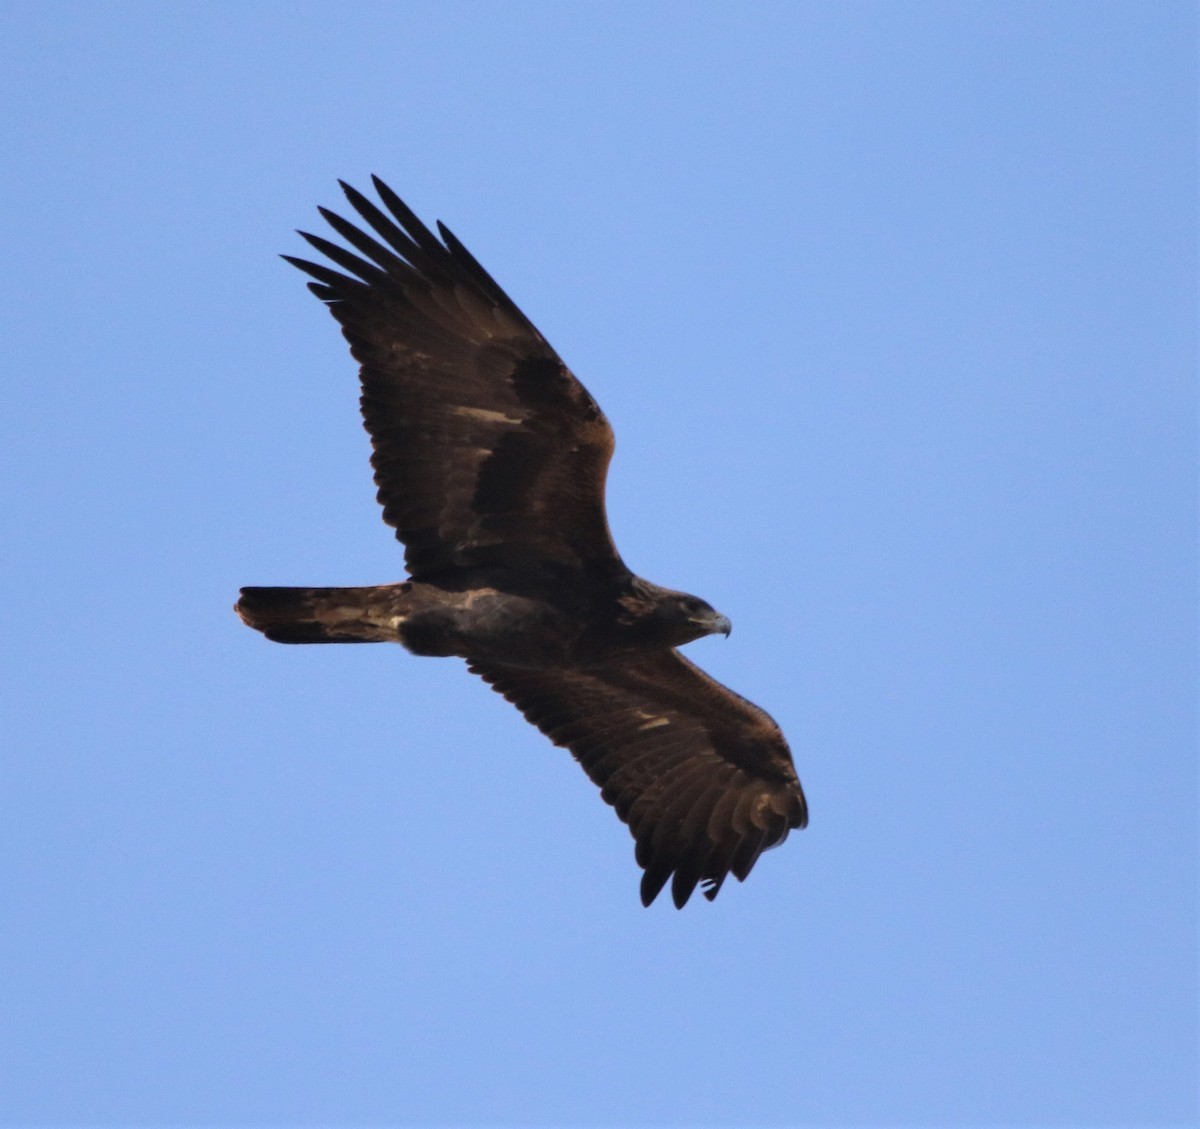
<point>484,415</point>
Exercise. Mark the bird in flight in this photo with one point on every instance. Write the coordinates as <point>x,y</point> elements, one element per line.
<point>490,458</point>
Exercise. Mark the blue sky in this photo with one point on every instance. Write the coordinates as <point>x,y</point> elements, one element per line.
<point>892,307</point>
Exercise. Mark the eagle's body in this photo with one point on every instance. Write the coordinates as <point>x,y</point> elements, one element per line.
<point>489,614</point>
<point>490,459</point>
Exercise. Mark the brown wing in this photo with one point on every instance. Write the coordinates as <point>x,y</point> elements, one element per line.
<point>703,777</point>
<point>487,449</point>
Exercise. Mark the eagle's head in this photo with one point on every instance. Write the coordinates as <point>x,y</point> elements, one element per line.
<point>671,618</point>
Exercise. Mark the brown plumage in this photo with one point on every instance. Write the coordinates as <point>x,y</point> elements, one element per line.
<point>490,458</point>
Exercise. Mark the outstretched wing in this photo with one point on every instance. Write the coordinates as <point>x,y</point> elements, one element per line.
<point>487,449</point>
<point>703,777</point>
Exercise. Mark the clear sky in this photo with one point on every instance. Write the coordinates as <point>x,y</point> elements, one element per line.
<point>892,307</point>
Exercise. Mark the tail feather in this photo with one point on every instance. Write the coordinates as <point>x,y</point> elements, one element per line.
<point>324,615</point>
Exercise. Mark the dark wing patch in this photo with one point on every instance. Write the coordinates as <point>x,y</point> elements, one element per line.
<point>703,778</point>
<point>487,449</point>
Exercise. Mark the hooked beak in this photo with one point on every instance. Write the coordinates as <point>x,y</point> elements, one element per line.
<point>721,623</point>
<point>711,622</point>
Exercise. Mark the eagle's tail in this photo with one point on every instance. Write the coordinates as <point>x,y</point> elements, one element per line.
<point>325,615</point>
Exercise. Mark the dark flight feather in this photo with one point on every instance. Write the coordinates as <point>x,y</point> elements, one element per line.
<point>490,460</point>
<point>676,753</point>
<point>462,396</point>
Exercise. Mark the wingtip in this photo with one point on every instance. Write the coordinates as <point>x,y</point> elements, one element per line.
<point>681,894</point>
<point>653,881</point>
<point>313,241</point>
<point>356,198</point>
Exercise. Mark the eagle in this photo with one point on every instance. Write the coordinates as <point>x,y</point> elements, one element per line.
<point>490,458</point>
